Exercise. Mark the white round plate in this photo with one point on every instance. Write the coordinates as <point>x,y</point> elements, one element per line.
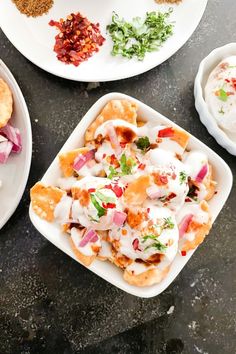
<point>14,173</point>
<point>34,38</point>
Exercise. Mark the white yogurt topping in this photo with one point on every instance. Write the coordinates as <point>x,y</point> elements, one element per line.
<point>220,94</point>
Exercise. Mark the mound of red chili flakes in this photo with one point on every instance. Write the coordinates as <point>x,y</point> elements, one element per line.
<point>78,39</point>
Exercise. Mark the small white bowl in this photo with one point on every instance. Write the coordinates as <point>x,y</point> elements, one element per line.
<point>205,68</point>
<point>106,270</point>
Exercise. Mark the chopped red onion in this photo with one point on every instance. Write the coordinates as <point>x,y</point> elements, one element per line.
<point>119,218</point>
<point>153,192</point>
<point>202,174</point>
<point>90,236</point>
<point>135,244</point>
<point>82,159</point>
<point>5,150</point>
<point>13,135</point>
<point>183,226</point>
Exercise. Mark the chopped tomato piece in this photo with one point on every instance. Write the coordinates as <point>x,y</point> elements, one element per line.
<point>166,133</point>
<point>141,166</point>
<point>108,205</point>
<point>117,190</point>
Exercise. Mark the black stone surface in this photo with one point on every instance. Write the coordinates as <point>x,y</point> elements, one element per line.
<point>51,304</point>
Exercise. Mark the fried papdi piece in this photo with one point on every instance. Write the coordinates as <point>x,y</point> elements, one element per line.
<point>115,109</point>
<point>150,277</point>
<point>6,103</point>
<point>86,260</point>
<point>181,137</point>
<point>66,160</point>
<point>44,200</point>
<point>200,230</point>
<point>135,193</point>
<point>210,184</point>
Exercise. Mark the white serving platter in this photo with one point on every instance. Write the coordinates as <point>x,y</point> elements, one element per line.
<point>106,270</point>
<point>34,38</point>
<point>14,173</point>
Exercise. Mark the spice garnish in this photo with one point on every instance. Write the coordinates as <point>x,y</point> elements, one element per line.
<point>136,38</point>
<point>77,40</point>
<point>182,177</point>
<point>221,111</point>
<point>33,8</point>
<point>168,223</point>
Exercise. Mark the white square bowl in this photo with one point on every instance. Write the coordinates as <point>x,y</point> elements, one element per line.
<point>106,270</point>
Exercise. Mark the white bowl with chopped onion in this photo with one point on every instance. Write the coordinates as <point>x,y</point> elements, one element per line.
<point>215,95</point>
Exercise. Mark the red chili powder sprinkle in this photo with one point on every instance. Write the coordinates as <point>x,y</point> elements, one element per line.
<point>77,40</point>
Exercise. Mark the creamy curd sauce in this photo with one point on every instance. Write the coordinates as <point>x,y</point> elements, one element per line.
<point>158,232</point>
<point>199,215</point>
<point>151,130</point>
<point>167,237</point>
<point>87,215</point>
<point>220,94</point>
<point>105,250</point>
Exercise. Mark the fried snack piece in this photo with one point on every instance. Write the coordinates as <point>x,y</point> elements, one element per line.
<point>44,200</point>
<point>135,193</point>
<point>115,109</point>
<point>105,252</point>
<point>150,277</point>
<point>83,258</point>
<point>86,260</point>
<point>181,137</point>
<point>6,103</point>
<point>66,160</point>
<point>200,230</point>
<point>210,184</point>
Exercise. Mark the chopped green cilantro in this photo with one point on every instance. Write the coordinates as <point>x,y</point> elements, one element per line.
<point>168,224</point>
<point>143,143</point>
<point>222,95</point>
<point>101,211</point>
<point>156,244</point>
<point>126,164</point>
<point>138,37</point>
<point>113,172</point>
<point>221,111</point>
<point>182,177</point>
<point>104,198</point>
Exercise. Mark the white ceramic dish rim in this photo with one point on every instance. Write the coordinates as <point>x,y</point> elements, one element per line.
<point>205,116</point>
<point>20,98</point>
<point>101,78</point>
<point>102,268</point>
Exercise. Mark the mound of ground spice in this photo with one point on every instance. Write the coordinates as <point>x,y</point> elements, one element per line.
<point>168,1</point>
<point>77,40</point>
<point>33,8</point>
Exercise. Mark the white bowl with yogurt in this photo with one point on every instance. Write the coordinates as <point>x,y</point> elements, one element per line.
<point>215,95</point>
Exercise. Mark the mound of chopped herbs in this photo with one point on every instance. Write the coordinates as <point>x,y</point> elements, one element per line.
<point>136,38</point>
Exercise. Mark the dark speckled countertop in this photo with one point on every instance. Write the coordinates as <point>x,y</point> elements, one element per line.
<point>51,304</point>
